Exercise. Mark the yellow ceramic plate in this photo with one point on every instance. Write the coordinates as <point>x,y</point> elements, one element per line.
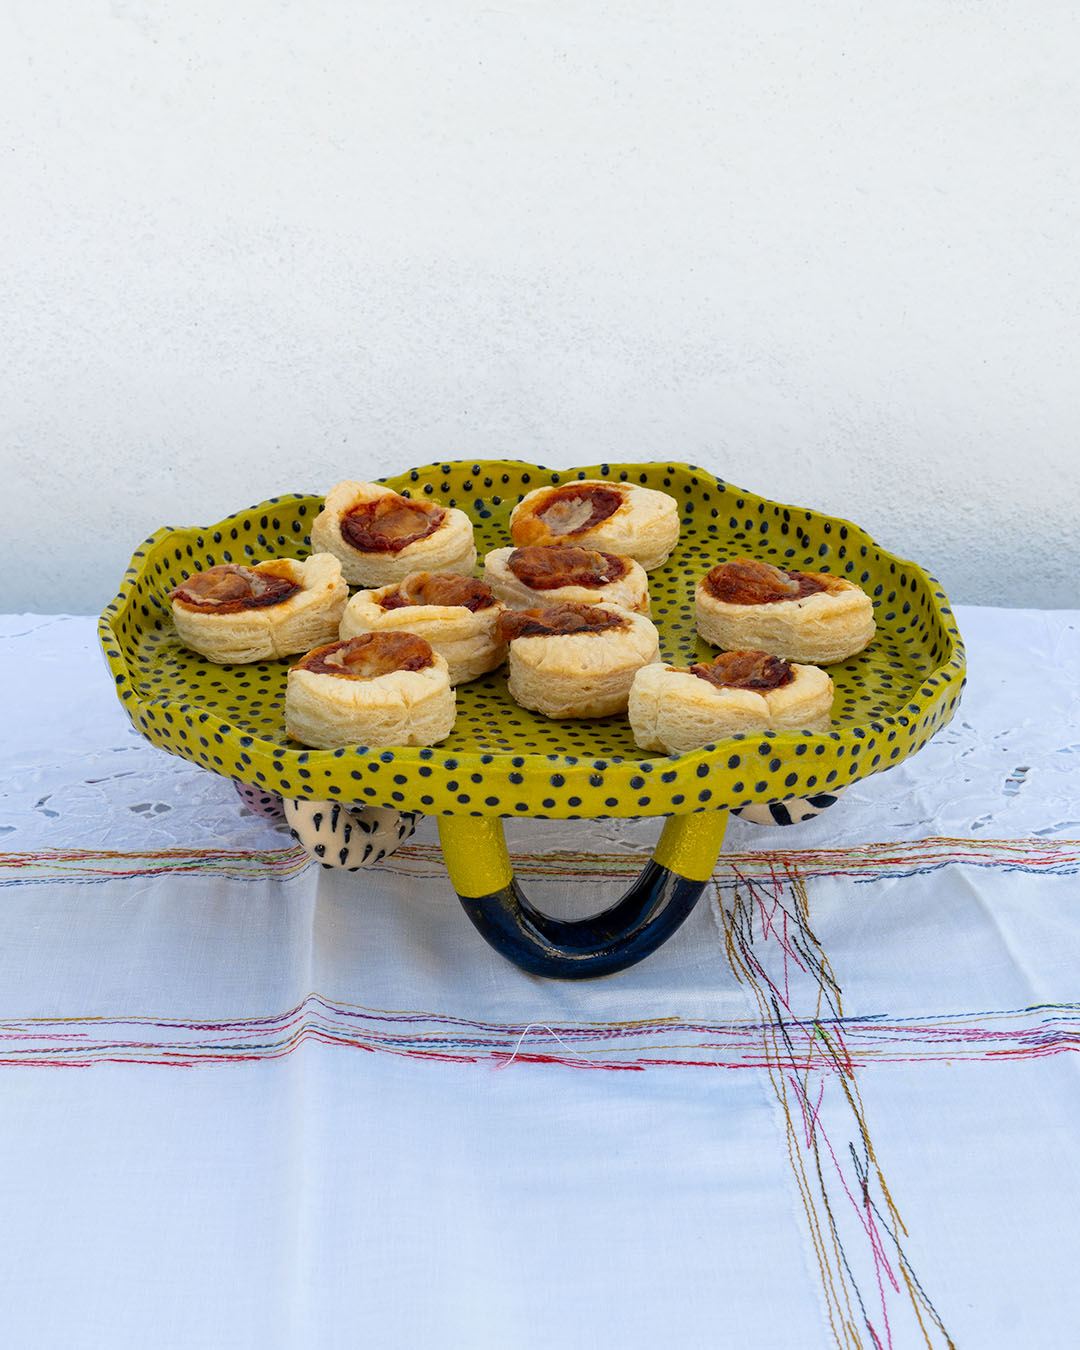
<point>500,759</point>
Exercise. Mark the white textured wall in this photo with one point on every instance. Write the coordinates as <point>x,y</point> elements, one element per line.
<point>827,249</point>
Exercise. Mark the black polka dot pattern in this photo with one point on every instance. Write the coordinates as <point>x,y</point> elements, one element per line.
<point>501,759</point>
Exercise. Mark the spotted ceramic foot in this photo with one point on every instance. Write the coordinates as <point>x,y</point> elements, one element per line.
<point>792,812</point>
<point>260,801</point>
<point>351,837</point>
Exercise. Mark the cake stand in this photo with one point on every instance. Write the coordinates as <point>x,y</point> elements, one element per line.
<point>351,806</point>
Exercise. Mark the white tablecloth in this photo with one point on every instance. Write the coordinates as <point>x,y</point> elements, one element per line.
<point>248,1102</point>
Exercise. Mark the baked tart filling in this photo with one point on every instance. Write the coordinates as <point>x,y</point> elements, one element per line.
<point>744,581</point>
<point>230,588</point>
<point>578,507</point>
<point>553,620</point>
<point>547,569</point>
<point>369,656</point>
<point>439,588</point>
<point>389,523</point>
<point>745,670</point>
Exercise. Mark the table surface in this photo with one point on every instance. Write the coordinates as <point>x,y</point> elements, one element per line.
<point>246,1101</point>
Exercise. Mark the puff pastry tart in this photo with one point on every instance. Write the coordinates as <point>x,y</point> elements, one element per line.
<point>634,522</point>
<point>382,537</point>
<point>232,614</point>
<point>574,660</point>
<point>679,710</point>
<point>802,616</point>
<point>541,575</point>
<point>458,615</point>
<point>376,689</point>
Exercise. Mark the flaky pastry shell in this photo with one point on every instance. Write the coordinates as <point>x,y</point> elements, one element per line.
<point>819,629</point>
<point>468,640</point>
<point>582,674</point>
<point>674,711</point>
<point>404,707</point>
<point>449,548</point>
<point>630,591</point>
<point>645,527</point>
<point>304,620</point>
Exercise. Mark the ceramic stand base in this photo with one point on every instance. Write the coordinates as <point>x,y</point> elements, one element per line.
<point>352,837</point>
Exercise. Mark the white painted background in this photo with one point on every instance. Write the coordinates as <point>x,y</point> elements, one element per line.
<point>829,250</point>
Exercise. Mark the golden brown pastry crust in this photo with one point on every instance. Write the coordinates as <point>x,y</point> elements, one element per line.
<point>674,711</point>
<point>468,640</point>
<point>582,674</point>
<point>820,629</point>
<point>644,527</point>
<point>402,707</point>
<point>302,621</point>
<point>449,547</point>
<point>630,591</point>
